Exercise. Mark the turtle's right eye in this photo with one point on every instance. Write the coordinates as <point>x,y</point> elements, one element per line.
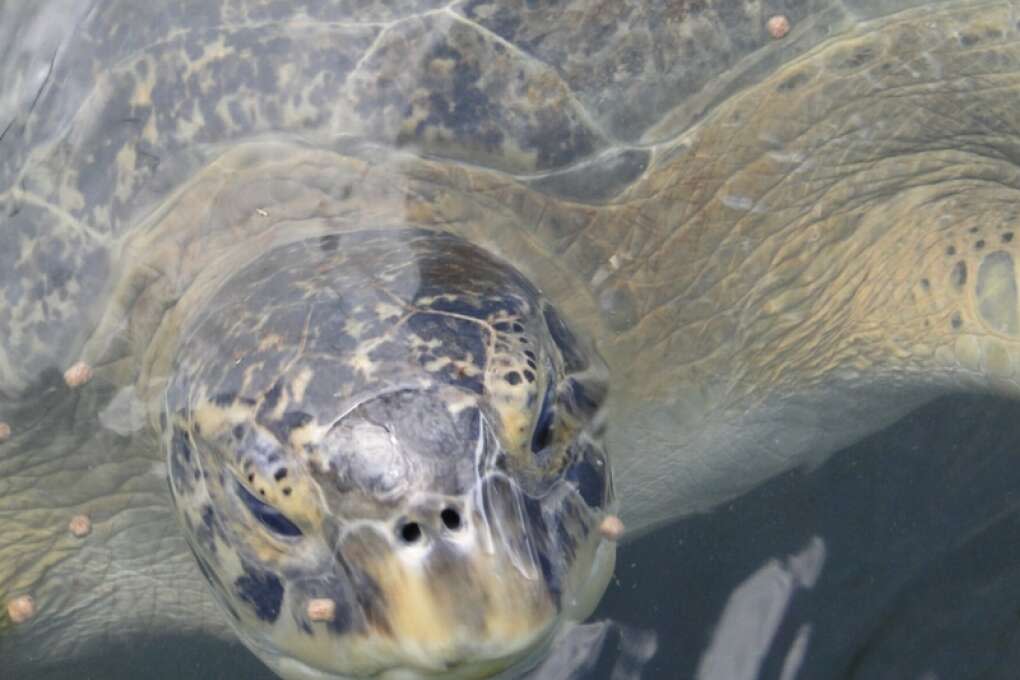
<point>272,518</point>
<point>543,434</point>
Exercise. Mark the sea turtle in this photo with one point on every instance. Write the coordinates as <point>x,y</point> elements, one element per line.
<point>380,287</point>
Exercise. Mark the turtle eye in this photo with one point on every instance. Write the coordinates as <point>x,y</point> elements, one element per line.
<point>272,518</point>
<point>543,434</point>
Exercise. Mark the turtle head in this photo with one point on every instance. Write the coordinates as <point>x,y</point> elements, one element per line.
<point>385,450</point>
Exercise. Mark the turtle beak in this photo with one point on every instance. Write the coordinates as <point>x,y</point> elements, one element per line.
<point>455,586</point>
<point>475,585</point>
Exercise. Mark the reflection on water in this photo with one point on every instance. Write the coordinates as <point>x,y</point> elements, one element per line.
<point>744,635</point>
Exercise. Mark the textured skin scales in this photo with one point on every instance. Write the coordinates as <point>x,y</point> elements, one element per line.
<point>850,267</point>
<point>776,246</point>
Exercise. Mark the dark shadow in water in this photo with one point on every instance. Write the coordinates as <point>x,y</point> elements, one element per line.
<point>173,658</point>
<point>921,578</point>
<point>921,524</point>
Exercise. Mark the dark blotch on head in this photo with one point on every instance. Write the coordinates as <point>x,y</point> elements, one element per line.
<point>461,339</point>
<point>180,444</point>
<point>271,398</point>
<point>1007,237</point>
<point>513,377</point>
<point>979,244</point>
<point>206,534</point>
<point>180,461</point>
<point>224,398</point>
<point>282,427</point>
<point>951,250</point>
<point>262,590</point>
<point>208,516</point>
<point>955,321</point>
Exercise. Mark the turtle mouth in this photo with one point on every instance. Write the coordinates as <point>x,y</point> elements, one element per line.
<point>467,588</point>
<point>452,588</point>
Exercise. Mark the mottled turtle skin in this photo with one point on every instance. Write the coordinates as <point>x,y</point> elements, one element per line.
<point>760,249</point>
<point>396,422</point>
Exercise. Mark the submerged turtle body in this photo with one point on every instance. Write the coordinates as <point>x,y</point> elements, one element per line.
<point>307,239</point>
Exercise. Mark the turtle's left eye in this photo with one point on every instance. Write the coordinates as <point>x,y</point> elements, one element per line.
<point>267,514</point>
<point>543,434</point>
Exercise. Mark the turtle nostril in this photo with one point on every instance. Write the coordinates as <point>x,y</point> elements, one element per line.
<point>410,532</point>
<point>451,519</point>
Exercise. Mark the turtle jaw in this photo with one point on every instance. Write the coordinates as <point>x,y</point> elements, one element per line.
<point>475,602</point>
<point>478,597</point>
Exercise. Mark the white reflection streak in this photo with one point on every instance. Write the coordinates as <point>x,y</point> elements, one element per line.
<point>752,616</point>
<point>795,657</point>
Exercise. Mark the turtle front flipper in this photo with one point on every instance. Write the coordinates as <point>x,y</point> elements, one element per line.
<point>838,245</point>
<point>88,537</point>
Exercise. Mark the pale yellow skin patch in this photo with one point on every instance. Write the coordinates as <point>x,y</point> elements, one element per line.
<point>426,632</point>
